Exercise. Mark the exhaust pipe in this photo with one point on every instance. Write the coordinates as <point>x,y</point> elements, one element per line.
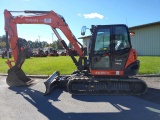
<point>52,82</point>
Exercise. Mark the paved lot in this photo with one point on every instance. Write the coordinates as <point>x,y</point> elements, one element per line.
<point>30,104</point>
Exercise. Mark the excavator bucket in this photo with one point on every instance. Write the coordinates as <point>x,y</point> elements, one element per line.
<point>18,78</point>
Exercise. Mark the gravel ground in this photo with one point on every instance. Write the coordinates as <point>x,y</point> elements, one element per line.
<point>29,103</point>
<point>152,82</point>
<point>153,92</point>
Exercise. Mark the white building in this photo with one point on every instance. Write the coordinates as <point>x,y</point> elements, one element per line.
<point>86,42</point>
<point>146,40</point>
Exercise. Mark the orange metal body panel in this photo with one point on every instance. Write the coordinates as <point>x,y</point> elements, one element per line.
<point>131,59</point>
<point>52,19</point>
<point>106,72</point>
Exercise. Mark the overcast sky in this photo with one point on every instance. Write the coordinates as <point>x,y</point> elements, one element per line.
<point>82,12</point>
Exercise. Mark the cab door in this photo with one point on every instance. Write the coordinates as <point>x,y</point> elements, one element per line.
<point>100,54</point>
<point>122,47</point>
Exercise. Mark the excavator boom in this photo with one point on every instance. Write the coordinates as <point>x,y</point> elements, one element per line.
<point>16,76</point>
<point>41,17</point>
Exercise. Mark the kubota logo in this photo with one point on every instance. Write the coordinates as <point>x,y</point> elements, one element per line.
<point>31,20</point>
<point>101,72</point>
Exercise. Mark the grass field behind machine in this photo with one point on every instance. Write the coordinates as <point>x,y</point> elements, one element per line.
<point>64,64</point>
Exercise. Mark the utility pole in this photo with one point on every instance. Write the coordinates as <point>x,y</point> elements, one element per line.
<point>52,37</point>
<point>39,38</point>
<point>126,21</point>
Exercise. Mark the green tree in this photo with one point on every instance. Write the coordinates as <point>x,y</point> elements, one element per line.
<point>54,45</point>
<point>2,44</point>
<point>30,44</point>
<point>46,45</point>
<point>3,38</point>
<point>59,45</point>
<point>2,41</point>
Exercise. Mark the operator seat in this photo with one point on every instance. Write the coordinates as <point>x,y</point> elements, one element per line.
<point>120,43</point>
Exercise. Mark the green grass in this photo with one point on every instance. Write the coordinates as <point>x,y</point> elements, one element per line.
<point>47,65</point>
<point>43,65</point>
<point>149,65</point>
<point>3,66</point>
<point>64,64</point>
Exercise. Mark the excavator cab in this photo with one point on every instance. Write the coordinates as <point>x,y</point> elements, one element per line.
<point>110,48</point>
<point>112,63</point>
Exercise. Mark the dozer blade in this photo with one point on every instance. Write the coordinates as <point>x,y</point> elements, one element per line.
<point>51,82</point>
<point>56,81</point>
<point>18,78</point>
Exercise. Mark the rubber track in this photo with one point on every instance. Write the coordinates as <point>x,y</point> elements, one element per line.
<point>83,85</point>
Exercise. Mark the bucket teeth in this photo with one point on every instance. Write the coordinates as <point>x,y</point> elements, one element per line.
<point>30,82</point>
<point>18,78</point>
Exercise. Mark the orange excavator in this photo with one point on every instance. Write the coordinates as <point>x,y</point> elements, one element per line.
<point>108,69</point>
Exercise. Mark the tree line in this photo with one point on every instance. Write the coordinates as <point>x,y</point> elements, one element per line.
<point>34,44</point>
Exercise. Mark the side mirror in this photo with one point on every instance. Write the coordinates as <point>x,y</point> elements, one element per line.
<point>83,30</point>
<point>132,33</point>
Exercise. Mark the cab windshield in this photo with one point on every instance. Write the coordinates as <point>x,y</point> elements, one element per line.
<point>102,40</point>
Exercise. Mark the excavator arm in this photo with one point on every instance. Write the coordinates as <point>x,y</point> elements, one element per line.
<point>40,17</point>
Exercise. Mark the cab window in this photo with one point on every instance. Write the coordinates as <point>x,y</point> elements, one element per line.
<point>121,38</point>
<point>102,41</point>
